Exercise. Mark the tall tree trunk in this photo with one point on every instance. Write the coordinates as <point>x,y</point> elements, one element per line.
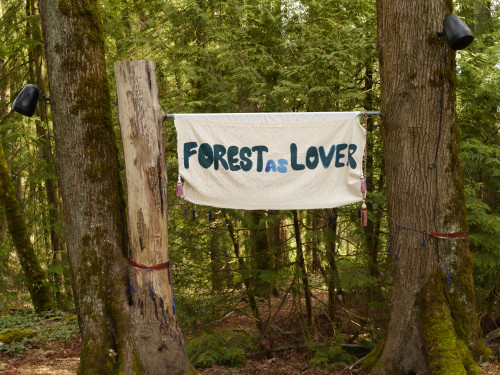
<point>433,326</point>
<point>216,263</point>
<point>94,210</point>
<point>332,273</point>
<point>302,267</point>
<point>277,241</point>
<point>265,280</point>
<point>247,281</point>
<point>372,230</point>
<point>155,327</point>
<point>34,275</point>
<point>35,72</point>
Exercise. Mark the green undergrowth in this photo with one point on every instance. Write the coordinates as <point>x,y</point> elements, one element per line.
<point>196,312</point>
<point>225,348</point>
<point>333,356</point>
<point>26,329</point>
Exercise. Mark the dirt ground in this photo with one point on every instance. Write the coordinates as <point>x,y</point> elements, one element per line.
<point>60,358</point>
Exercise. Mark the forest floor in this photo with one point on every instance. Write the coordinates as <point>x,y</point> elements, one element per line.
<point>62,358</point>
<point>280,351</point>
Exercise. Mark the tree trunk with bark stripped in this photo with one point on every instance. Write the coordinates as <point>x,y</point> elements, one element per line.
<point>154,321</point>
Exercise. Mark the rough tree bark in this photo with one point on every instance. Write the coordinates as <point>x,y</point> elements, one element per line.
<point>433,327</point>
<point>35,53</point>
<point>156,330</point>
<point>94,210</point>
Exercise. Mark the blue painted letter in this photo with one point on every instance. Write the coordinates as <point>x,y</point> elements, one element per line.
<point>205,155</point>
<point>259,150</point>
<point>270,166</point>
<point>293,155</point>
<point>246,162</point>
<point>326,159</point>
<point>188,152</point>
<point>232,160</point>
<point>350,160</point>
<point>340,155</point>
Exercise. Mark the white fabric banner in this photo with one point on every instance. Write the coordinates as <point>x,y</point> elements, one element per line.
<point>279,161</point>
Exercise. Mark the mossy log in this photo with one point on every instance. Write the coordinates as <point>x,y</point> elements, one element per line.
<point>11,335</point>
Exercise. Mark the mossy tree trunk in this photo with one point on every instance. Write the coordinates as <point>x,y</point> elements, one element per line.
<point>34,275</point>
<point>433,326</point>
<point>94,210</point>
<point>35,72</point>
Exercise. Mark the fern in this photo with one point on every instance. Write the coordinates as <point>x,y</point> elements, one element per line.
<point>330,357</point>
<point>224,348</point>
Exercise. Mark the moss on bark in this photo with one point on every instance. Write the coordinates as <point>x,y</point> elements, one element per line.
<point>372,358</point>
<point>447,353</point>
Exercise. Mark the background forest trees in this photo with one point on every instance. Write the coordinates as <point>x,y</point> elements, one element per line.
<point>278,55</point>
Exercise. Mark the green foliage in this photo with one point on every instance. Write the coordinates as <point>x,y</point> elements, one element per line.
<point>478,95</point>
<point>330,357</point>
<point>353,274</point>
<point>199,310</point>
<point>224,348</point>
<point>222,56</point>
<point>39,328</point>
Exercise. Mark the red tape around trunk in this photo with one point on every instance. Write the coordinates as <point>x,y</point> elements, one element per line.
<point>448,235</point>
<point>142,266</point>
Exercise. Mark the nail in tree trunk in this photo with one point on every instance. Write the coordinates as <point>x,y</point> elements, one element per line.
<point>433,325</point>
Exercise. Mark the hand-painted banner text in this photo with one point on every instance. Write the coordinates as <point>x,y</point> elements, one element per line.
<point>300,160</point>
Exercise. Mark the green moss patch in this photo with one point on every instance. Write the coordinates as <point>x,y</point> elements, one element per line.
<point>372,358</point>
<point>447,354</point>
<point>10,335</point>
